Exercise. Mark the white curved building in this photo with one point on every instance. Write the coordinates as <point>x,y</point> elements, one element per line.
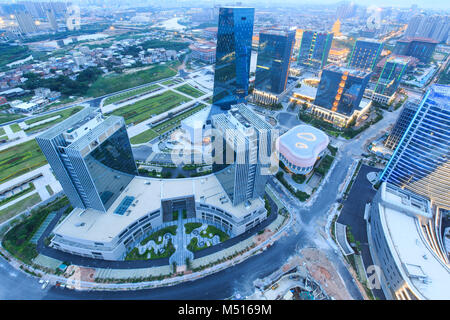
<point>300,147</point>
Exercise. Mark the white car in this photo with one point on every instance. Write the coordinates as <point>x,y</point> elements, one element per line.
<point>41,281</point>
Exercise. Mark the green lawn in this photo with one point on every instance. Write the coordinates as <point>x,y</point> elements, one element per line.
<point>64,114</point>
<point>6,117</point>
<point>2,131</point>
<point>163,127</point>
<point>129,94</point>
<point>15,127</point>
<point>17,240</point>
<point>18,194</point>
<point>19,206</point>
<point>160,233</point>
<point>114,83</point>
<point>20,159</point>
<point>190,90</point>
<point>143,109</point>
<point>134,254</point>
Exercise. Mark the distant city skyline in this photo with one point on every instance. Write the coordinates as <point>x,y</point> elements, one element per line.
<point>438,4</point>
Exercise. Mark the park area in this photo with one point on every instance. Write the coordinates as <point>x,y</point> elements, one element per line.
<point>20,159</point>
<point>129,94</point>
<point>62,115</point>
<point>163,127</point>
<point>118,82</point>
<point>17,240</point>
<point>190,91</point>
<point>144,109</point>
<point>158,239</point>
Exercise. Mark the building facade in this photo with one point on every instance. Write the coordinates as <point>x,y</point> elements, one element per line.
<point>401,243</point>
<point>402,123</point>
<point>420,163</point>
<point>365,54</point>
<point>314,49</point>
<point>242,152</point>
<point>419,48</point>
<point>233,53</point>
<point>94,167</point>
<point>272,66</point>
<point>384,89</point>
<point>341,89</point>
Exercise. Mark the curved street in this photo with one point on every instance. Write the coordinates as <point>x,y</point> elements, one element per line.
<point>307,232</point>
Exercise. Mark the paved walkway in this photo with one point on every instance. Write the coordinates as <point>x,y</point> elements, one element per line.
<point>181,253</point>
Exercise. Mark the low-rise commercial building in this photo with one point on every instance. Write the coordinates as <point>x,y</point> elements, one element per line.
<point>301,147</point>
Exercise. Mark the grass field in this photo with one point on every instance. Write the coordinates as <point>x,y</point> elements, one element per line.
<point>190,90</point>
<point>163,127</point>
<point>6,117</point>
<point>64,114</point>
<point>143,109</point>
<point>114,83</point>
<point>15,127</point>
<point>129,94</point>
<point>19,206</point>
<point>20,159</point>
<point>2,131</point>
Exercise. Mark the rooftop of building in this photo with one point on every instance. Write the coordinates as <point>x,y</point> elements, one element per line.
<point>303,142</point>
<point>370,40</point>
<point>147,193</point>
<point>352,72</point>
<point>198,119</point>
<point>412,61</point>
<point>426,275</point>
<point>277,32</point>
<point>418,39</point>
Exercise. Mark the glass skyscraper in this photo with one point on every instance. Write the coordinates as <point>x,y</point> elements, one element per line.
<point>420,162</point>
<point>274,54</point>
<point>365,54</point>
<point>314,49</point>
<point>341,89</point>
<point>402,123</point>
<point>233,53</point>
<point>91,157</point>
<point>391,76</point>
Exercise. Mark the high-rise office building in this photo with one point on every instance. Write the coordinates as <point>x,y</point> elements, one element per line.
<point>314,49</point>
<point>91,157</point>
<point>402,123</point>
<point>419,48</point>
<point>341,89</point>
<point>391,75</point>
<point>233,53</point>
<point>242,151</point>
<point>51,19</point>
<point>26,23</point>
<point>420,162</point>
<point>272,67</point>
<point>365,54</point>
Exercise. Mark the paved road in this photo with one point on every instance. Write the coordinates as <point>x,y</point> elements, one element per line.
<point>240,277</point>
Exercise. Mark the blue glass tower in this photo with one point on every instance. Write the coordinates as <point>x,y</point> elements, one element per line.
<point>341,89</point>
<point>233,53</point>
<point>314,49</point>
<point>391,76</point>
<point>274,55</point>
<point>365,54</point>
<point>421,161</point>
<point>91,157</point>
